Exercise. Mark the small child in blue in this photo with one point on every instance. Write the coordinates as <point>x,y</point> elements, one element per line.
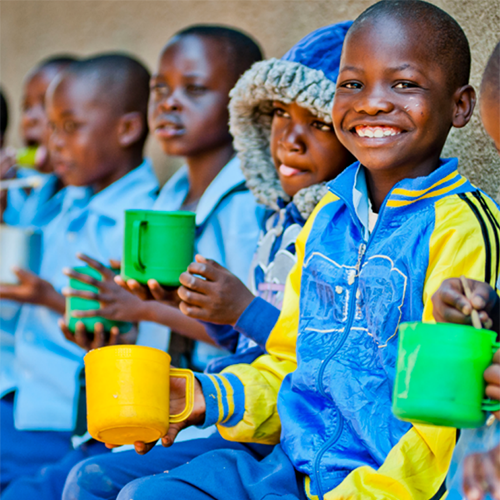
<point>97,113</point>
<point>280,116</point>
<point>281,121</point>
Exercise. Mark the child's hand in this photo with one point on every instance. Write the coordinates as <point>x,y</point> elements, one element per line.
<point>219,298</point>
<point>177,404</point>
<point>154,291</point>
<point>88,341</point>
<point>7,161</point>
<point>451,305</point>
<point>33,290</point>
<point>482,474</point>
<point>116,303</point>
<point>492,378</point>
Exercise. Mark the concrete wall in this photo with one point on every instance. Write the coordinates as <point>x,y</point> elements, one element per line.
<point>31,30</point>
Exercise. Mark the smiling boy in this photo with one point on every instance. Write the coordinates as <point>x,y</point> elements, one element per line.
<point>368,259</point>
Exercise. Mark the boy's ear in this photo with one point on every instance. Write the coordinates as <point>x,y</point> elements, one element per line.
<point>465,102</point>
<point>130,128</point>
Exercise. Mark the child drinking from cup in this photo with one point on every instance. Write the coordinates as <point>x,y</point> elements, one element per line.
<point>475,469</point>
<point>188,115</point>
<point>280,114</point>
<point>97,115</point>
<point>370,256</point>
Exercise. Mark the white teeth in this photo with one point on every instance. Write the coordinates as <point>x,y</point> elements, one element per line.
<point>368,133</point>
<point>378,133</point>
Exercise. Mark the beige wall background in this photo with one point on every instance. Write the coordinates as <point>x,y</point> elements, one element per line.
<point>33,29</point>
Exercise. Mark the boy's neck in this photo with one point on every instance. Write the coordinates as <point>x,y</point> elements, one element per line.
<point>123,167</point>
<point>204,167</point>
<point>380,183</point>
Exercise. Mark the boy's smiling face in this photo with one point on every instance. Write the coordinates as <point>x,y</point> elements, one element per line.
<point>393,107</point>
<point>189,97</point>
<point>305,149</point>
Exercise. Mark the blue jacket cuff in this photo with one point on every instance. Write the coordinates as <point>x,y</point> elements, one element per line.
<point>257,321</point>
<point>224,399</point>
<point>224,335</point>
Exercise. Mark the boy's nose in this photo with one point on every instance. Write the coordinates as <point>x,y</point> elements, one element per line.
<point>292,139</point>
<point>171,102</point>
<point>56,142</point>
<point>373,102</point>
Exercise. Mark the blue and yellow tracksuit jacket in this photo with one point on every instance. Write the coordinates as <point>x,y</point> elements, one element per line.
<point>324,390</point>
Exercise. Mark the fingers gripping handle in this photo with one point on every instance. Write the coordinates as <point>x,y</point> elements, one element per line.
<point>491,404</point>
<point>136,244</point>
<point>189,377</point>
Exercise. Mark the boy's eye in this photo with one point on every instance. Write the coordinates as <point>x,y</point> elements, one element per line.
<point>159,89</point>
<point>405,85</point>
<point>196,89</point>
<point>324,127</point>
<point>52,126</point>
<point>351,85</point>
<point>280,112</point>
<point>70,126</point>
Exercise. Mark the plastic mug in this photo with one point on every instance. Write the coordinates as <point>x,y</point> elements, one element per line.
<point>79,304</point>
<point>439,374</point>
<point>128,394</point>
<point>157,245</point>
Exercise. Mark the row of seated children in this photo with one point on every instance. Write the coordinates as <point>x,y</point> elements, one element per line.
<point>97,113</point>
<point>373,258</point>
<point>389,230</point>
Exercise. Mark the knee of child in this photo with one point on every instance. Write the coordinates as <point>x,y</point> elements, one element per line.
<point>87,476</point>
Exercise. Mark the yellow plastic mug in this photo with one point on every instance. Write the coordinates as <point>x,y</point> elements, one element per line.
<point>128,394</point>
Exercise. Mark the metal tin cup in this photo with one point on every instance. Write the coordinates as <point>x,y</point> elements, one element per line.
<point>439,374</point>
<point>19,247</point>
<point>80,304</point>
<point>157,245</point>
<point>128,394</point>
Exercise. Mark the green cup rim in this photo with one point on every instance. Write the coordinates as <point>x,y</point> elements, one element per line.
<point>172,213</point>
<point>448,326</point>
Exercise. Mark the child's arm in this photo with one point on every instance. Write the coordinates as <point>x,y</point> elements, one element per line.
<point>450,304</point>
<point>120,305</point>
<point>33,290</point>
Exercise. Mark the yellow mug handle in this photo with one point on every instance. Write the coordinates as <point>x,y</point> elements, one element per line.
<point>189,377</point>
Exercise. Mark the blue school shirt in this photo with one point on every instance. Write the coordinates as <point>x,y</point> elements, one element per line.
<point>47,366</point>
<point>228,222</point>
<point>34,210</point>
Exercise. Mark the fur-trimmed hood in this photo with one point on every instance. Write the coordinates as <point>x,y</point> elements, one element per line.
<point>306,75</point>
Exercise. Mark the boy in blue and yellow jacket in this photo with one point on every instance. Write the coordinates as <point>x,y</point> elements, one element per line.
<point>369,257</point>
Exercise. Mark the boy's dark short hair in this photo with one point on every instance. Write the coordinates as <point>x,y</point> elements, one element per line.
<point>447,41</point>
<point>124,82</point>
<point>57,60</point>
<point>241,49</point>
<point>490,84</point>
<point>4,114</point>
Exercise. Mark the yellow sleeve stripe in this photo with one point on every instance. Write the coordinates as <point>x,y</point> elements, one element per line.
<point>416,193</point>
<point>219,395</point>
<point>229,398</point>
<point>433,194</point>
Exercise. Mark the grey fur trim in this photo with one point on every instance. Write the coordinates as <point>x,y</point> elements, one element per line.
<point>250,122</point>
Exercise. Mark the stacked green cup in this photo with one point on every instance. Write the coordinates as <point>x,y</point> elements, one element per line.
<point>80,304</point>
<point>157,245</point>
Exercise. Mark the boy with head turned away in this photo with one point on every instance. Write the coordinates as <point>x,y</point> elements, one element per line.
<point>475,469</point>
<point>392,226</point>
<point>280,115</point>
<point>188,115</point>
<point>97,114</point>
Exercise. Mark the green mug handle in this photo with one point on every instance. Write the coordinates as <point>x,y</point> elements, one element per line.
<point>491,404</point>
<point>136,244</point>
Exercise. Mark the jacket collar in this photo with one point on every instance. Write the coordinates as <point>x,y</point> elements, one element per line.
<point>408,194</point>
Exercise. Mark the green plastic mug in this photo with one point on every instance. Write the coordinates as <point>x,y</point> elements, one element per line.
<point>157,245</point>
<point>439,374</point>
<point>79,304</point>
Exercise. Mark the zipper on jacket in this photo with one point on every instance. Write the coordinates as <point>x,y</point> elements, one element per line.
<point>319,385</point>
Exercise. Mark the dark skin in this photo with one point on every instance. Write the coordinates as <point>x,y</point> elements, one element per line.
<point>91,144</point>
<point>188,115</point>
<point>481,470</point>
<point>305,151</point>
<point>394,106</point>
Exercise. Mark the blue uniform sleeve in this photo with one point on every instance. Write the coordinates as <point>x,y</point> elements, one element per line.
<point>257,321</point>
<point>224,335</point>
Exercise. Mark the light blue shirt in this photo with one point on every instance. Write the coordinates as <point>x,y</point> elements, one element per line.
<point>228,222</point>
<point>33,210</point>
<point>47,366</point>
